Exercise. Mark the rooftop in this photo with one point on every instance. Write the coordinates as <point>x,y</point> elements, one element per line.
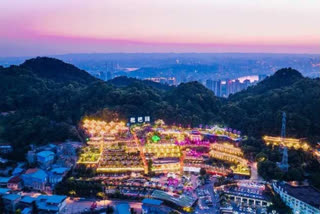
<point>56,199</point>
<point>27,199</point>
<point>247,192</point>
<point>123,208</point>
<point>307,194</point>
<point>152,201</point>
<point>182,200</point>
<point>36,173</point>
<point>17,171</point>
<point>52,198</point>
<point>15,179</point>
<point>60,170</point>
<point>26,211</point>
<point>4,191</point>
<point>45,154</point>
<point>4,179</point>
<point>11,197</point>
<point>46,202</point>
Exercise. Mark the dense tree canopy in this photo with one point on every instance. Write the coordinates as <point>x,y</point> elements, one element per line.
<point>44,99</point>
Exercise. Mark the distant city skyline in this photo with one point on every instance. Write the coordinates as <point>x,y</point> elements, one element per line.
<point>34,27</point>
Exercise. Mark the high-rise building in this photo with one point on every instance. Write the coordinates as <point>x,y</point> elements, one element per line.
<point>217,88</point>
<point>110,68</point>
<point>102,75</point>
<point>228,87</point>
<point>237,86</point>
<point>109,75</point>
<point>209,84</point>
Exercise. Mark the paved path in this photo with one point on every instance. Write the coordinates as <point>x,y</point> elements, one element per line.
<point>254,172</point>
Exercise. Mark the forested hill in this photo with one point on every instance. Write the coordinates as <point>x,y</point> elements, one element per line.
<point>57,70</point>
<point>282,78</point>
<point>47,98</point>
<point>124,81</point>
<point>257,110</point>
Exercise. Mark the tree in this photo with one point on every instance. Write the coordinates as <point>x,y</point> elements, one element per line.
<point>150,166</point>
<point>203,172</point>
<point>109,210</point>
<point>1,205</point>
<point>269,170</point>
<point>34,208</point>
<point>132,211</point>
<point>295,174</point>
<point>315,179</point>
<point>279,205</point>
<point>101,195</point>
<point>261,157</point>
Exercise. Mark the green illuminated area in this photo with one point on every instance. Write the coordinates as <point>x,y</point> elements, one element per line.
<point>155,138</point>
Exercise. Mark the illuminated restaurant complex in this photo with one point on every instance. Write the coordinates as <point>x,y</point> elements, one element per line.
<point>114,147</point>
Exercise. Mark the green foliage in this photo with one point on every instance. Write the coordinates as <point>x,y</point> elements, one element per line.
<point>57,70</point>
<point>279,205</point>
<point>83,171</point>
<point>269,170</point>
<point>203,172</point>
<point>257,111</point>
<point>124,81</point>
<point>47,98</point>
<point>109,210</point>
<point>315,181</point>
<point>261,157</point>
<point>79,188</point>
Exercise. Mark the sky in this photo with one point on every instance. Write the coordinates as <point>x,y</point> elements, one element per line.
<point>43,27</point>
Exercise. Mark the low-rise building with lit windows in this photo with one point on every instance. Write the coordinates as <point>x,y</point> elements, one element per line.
<point>301,199</point>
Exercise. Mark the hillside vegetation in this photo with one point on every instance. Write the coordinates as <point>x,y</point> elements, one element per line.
<point>46,99</point>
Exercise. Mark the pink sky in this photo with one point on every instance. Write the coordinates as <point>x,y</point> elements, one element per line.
<point>38,27</point>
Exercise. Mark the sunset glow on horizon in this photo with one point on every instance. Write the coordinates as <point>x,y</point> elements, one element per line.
<point>35,27</point>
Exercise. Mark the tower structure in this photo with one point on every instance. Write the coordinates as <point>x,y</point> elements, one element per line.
<point>284,165</point>
<point>284,162</point>
<point>283,127</point>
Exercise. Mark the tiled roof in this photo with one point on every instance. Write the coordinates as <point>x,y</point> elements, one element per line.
<point>55,199</point>
<point>15,179</point>
<point>36,173</point>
